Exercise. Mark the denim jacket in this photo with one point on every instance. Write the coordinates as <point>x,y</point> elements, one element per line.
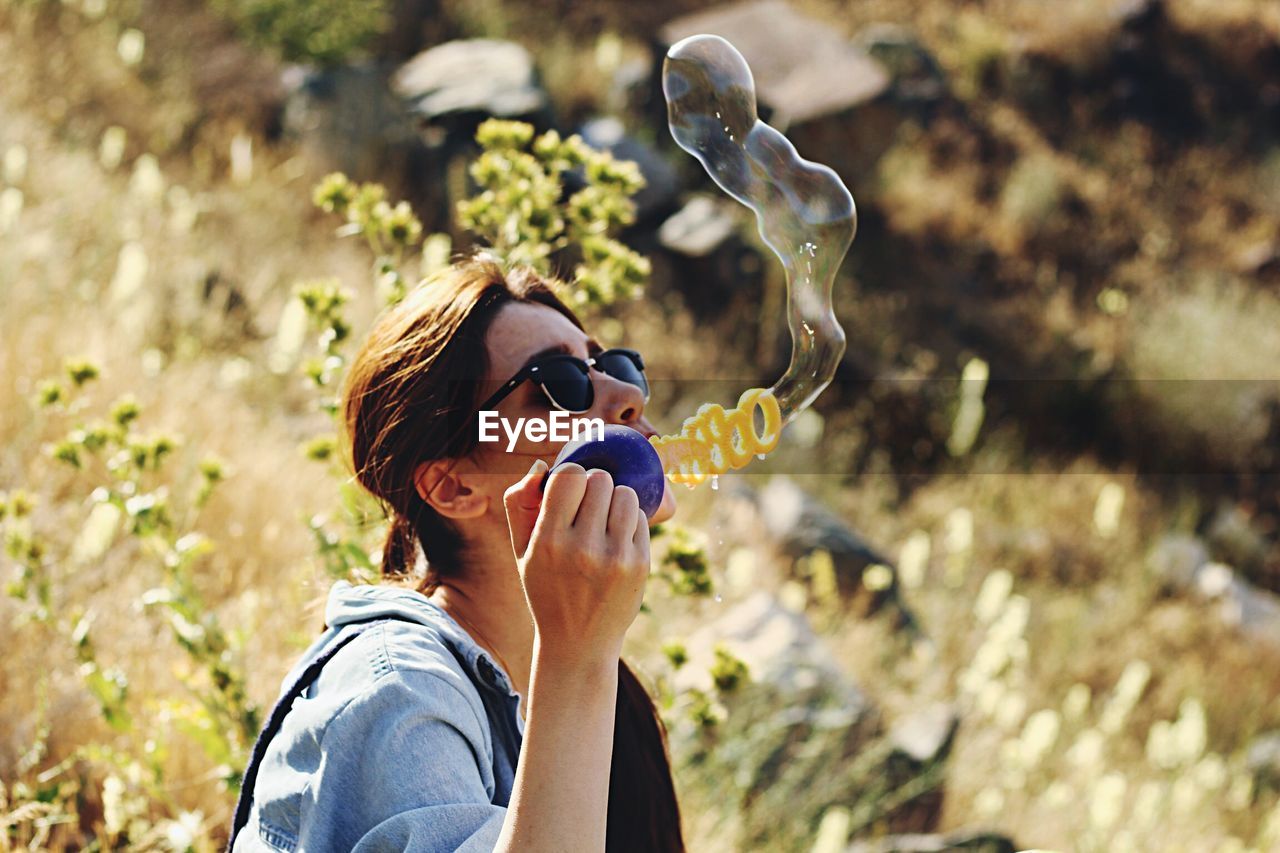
<point>407,740</point>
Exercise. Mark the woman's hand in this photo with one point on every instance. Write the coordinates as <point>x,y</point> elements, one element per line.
<point>582,548</point>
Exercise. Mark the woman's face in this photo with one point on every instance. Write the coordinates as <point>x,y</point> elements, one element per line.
<point>520,332</point>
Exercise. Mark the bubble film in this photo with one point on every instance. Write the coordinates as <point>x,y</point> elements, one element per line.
<point>803,210</point>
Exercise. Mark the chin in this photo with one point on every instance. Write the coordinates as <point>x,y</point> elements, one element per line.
<point>667,508</point>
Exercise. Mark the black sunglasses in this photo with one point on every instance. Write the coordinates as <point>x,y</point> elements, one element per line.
<point>566,379</point>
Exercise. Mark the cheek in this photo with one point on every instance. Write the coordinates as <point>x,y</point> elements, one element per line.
<point>498,468</point>
<point>529,449</point>
<point>543,434</point>
<point>667,508</point>
<point>502,467</point>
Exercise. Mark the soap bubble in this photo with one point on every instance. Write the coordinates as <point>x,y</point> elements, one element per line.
<point>803,210</point>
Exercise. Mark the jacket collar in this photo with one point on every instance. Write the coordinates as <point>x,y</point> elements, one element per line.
<point>349,604</point>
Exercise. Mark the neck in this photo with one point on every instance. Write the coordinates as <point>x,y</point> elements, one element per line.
<point>489,603</point>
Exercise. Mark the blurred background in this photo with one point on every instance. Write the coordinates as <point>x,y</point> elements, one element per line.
<point>1012,582</point>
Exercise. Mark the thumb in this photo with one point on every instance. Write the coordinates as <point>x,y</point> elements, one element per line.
<point>522,501</point>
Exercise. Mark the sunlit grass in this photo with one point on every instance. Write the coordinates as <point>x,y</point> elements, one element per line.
<point>1097,714</point>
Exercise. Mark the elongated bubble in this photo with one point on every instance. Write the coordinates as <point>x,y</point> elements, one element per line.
<point>803,210</point>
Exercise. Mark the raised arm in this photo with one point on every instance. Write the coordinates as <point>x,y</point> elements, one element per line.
<point>583,553</point>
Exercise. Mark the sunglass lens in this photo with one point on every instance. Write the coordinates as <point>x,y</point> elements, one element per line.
<point>623,366</point>
<point>567,385</point>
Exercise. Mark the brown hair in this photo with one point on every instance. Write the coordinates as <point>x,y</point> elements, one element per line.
<point>407,396</point>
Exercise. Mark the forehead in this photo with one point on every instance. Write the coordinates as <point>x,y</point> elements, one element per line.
<point>520,329</point>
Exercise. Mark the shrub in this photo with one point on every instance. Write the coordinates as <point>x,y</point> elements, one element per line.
<point>324,32</point>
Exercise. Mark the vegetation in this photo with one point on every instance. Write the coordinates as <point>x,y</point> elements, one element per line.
<point>177,317</point>
<point>321,31</point>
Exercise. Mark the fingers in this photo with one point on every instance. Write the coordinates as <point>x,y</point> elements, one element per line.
<point>563,495</point>
<point>522,501</point>
<point>597,511</point>
<point>623,509</point>
<point>525,493</point>
<point>641,532</point>
<point>593,511</point>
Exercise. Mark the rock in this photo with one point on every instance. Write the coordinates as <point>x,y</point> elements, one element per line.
<point>1180,564</point>
<point>1232,537</point>
<point>925,735</point>
<point>1252,611</point>
<point>449,89</point>
<point>699,228</point>
<point>802,524</point>
<point>779,648</point>
<point>803,69</point>
<point>799,525</point>
<point>1262,759</point>
<point>1174,561</point>
<point>972,842</point>
<point>820,90</point>
<point>662,185</point>
<point>797,719</point>
<point>444,94</point>
<point>1261,259</point>
<point>461,83</point>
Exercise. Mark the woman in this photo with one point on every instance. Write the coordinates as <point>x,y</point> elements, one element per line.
<point>487,708</point>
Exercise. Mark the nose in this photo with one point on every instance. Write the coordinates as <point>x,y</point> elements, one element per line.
<point>617,402</point>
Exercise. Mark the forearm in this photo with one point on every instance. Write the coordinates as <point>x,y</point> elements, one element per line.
<point>560,798</point>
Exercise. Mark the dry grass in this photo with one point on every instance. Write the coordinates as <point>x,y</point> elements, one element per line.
<point>196,374</point>
<point>1091,611</point>
<point>197,366</point>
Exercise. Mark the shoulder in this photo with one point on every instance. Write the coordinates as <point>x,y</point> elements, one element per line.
<point>391,704</point>
<point>394,680</point>
<point>398,657</point>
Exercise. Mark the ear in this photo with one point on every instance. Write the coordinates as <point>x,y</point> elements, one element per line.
<point>441,485</point>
